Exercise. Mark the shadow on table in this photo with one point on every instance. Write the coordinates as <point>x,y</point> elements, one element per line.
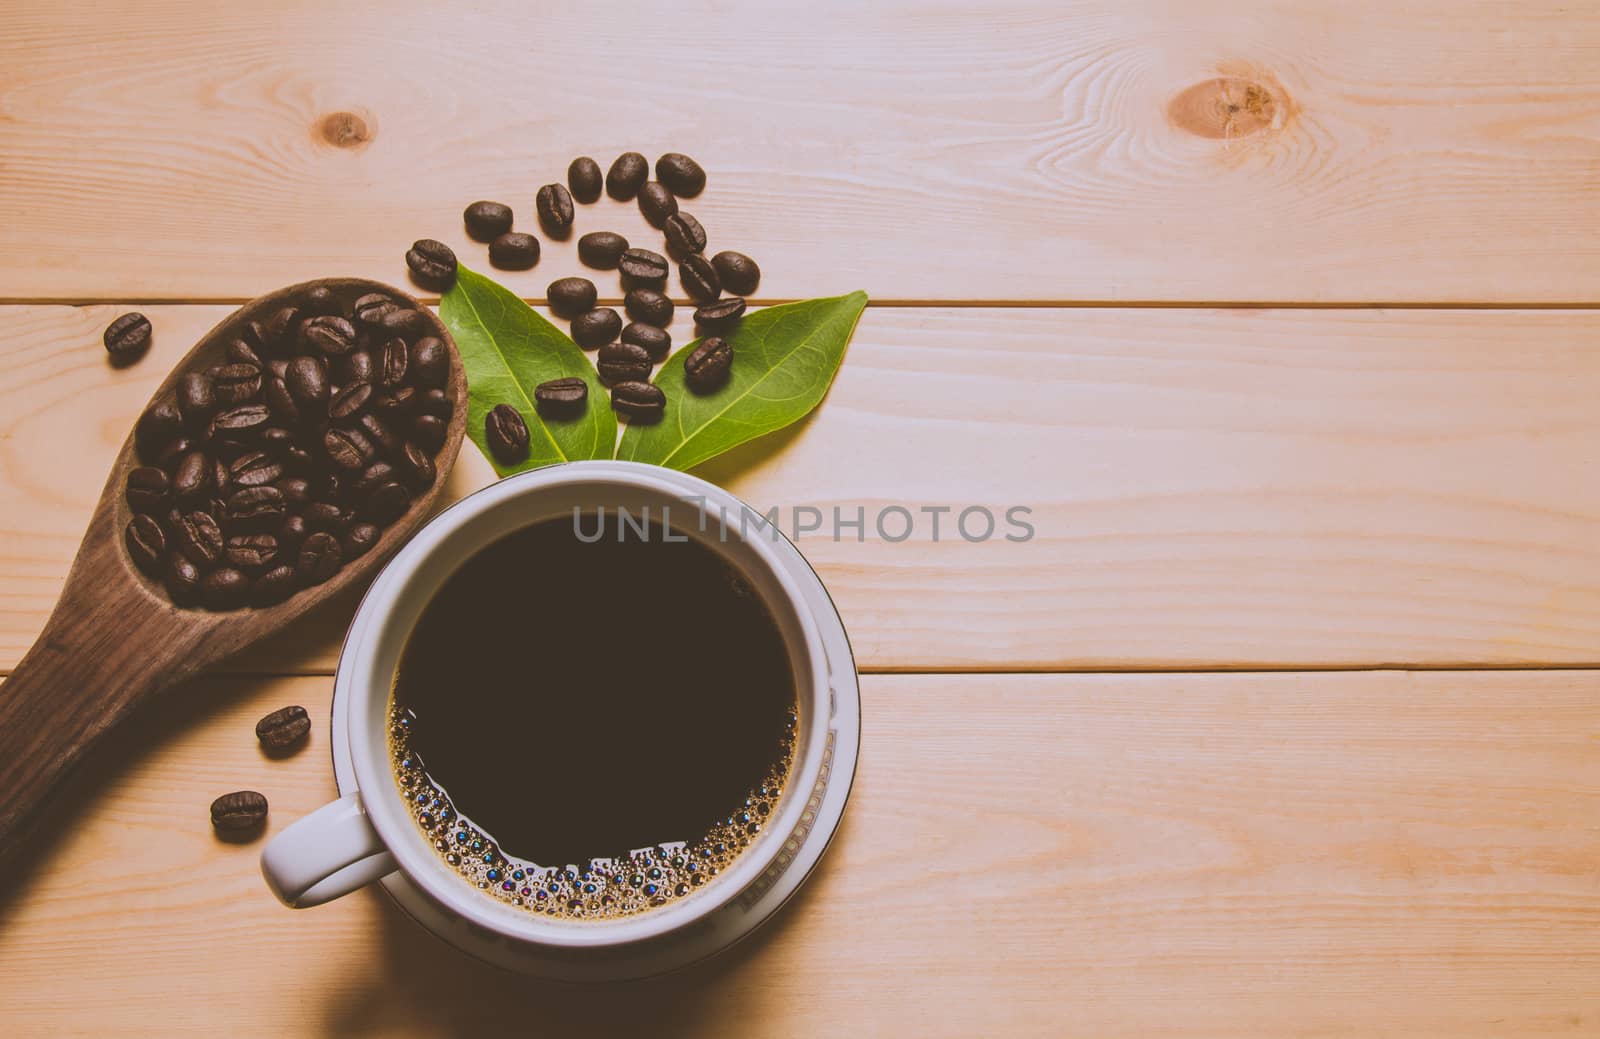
<point>421,984</point>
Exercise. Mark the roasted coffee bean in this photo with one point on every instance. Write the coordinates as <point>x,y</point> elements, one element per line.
<point>251,551</point>
<point>328,334</point>
<point>506,434</point>
<point>274,586</point>
<point>243,811</point>
<point>596,327</point>
<point>570,297</point>
<point>643,268</point>
<point>199,538</point>
<point>393,364</point>
<point>325,516</point>
<point>649,307</point>
<point>224,588</point>
<point>487,221</point>
<point>254,334</point>
<point>699,278</point>
<point>430,431</point>
<point>347,448</point>
<point>182,579</point>
<point>283,728</point>
<point>282,330</point>
<point>639,402</point>
<point>681,174</point>
<point>721,314</point>
<point>601,249</point>
<point>356,366</point>
<point>514,251</point>
<point>277,368</point>
<point>407,323</point>
<point>296,491</point>
<point>370,310</point>
<point>739,273</point>
<point>221,478</point>
<point>583,177</point>
<point>292,531</point>
<point>281,401</point>
<point>561,398</point>
<point>432,263</point>
<point>348,404</point>
<point>553,203</point>
<point>430,363</point>
<point>158,426</point>
<point>436,403</point>
<point>241,352</point>
<point>623,362</point>
<point>197,401</point>
<point>147,489</point>
<point>684,235</point>
<point>378,432</point>
<point>253,469</point>
<point>627,175</point>
<point>359,539</point>
<point>708,365</point>
<point>416,468</point>
<point>297,458</point>
<point>656,203</point>
<point>194,478</point>
<point>175,451</point>
<point>235,383</point>
<point>322,300</point>
<point>241,424</point>
<point>147,544</point>
<point>372,477</point>
<point>397,404</point>
<point>387,503</point>
<point>128,337</point>
<point>255,508</point>
<point>319,559</point>
<point>308,386</point>
<point>656,342</point>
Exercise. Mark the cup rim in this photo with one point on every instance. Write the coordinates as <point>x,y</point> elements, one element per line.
<point>356,681</point>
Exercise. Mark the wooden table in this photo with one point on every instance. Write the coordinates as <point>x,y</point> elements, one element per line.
<point>1276,315</point>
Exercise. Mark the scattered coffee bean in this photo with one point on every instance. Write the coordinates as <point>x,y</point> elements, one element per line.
<point>596,327</point>
<point>506,434</point>
<point>623,362</point>
<point>487,221</point>
<point>430,363</point>
<point>330,335</point>
<point>224,589</point>
<point>684,235</point>
<point>708,365</point>
<point>360,539</point>
<point>147,544</point>
<point>241,812</point>
<point>583,177</point>
<point>128,337</point>
<point>283,728</point>
<point>649,307</point>
<point>699,278</point>
<point>561,398</point>
<point>275,585</point>
<point>639,402</point>
<point>570,297</point>
<point>601,249</point>
<point>656,342</point>
<point>147,489</point>
<point>656,203</point>
<point>319,559</point>
<point>739,273</point>
<point>642,268</point>
<point>514,251</point>
<point>681,174</point>
<point>626,176</point>
<point>554,205</point>
<point>721,314</point>
<point>197,402</point>
<point>432,263</point>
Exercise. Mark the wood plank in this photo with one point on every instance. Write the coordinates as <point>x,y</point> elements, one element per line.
<point>1160,856</point>
<point>1209,488</point>
<point>1034,149</point>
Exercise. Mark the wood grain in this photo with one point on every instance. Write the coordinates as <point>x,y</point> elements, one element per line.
<point>1047,150</point>
<point>1209,488</point>
<point>1158,856</point>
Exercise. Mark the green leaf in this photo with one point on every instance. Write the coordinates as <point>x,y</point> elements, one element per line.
<point>508,349</point>
<point>784,359</point>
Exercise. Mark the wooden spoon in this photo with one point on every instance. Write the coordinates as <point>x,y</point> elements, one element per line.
<point>114,638</point>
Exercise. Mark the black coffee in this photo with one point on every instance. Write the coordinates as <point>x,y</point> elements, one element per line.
<point>590,730</point>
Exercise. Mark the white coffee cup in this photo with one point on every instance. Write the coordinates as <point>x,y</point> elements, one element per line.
<point>368,834</point>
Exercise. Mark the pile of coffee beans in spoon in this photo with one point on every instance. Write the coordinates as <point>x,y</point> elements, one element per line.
<point>627,351</point>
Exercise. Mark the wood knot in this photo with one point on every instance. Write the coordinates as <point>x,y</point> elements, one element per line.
<point>343,130</point>
<point>1228,108</point>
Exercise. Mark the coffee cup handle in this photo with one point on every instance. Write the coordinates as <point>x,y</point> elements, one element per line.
<point>329,853</point>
